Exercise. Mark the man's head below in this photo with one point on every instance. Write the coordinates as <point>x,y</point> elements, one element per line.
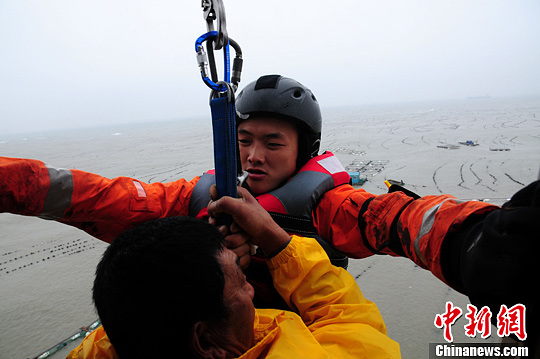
<point>169,287</point>
<point>279,129</point>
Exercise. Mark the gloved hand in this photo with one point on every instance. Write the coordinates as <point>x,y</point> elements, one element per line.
<point>500,258</point>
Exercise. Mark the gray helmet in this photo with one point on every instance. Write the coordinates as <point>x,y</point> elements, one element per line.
<point>285,98</point>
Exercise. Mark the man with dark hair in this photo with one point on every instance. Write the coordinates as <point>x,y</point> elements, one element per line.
<point>170,288</point>
<point>159,270</point>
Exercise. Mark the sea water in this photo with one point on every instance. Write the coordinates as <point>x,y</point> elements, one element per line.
<point>47,268</point>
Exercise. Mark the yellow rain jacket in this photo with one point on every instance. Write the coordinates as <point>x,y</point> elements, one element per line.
<point>334,319</point>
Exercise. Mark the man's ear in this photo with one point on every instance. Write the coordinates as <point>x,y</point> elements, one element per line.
<point>202,342</point>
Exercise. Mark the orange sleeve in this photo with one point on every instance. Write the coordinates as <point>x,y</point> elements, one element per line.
<point>105,208</point>
<point>100,206</point>
<point>336,220</point>
<point>24,185</point>
<point>426,222</point>
<point>361,224</point>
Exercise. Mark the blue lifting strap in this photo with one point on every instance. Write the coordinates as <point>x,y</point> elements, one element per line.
<point>222,97</point>
<point>225,160</point>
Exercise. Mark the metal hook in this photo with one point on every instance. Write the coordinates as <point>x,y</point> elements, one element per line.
<point>228,91</point>
<point>215,10</point>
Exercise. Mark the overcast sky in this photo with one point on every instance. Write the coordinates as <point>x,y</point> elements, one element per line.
<point>66,63</point>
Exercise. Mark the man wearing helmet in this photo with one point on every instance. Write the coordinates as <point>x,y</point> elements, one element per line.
<point>279,130</point>
<point>258,137</point>
<point>276,97</point>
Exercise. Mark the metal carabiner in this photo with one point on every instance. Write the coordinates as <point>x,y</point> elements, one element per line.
<point>202,59</point>
<point>215,10</point>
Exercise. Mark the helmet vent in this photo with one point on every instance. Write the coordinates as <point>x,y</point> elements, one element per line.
<point>267,82</point>
<point>297,94</point>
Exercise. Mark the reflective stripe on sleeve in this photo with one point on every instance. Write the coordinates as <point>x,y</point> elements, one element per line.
<point>58,197</point>
<point>140,189</point>
<point>427,223</point>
